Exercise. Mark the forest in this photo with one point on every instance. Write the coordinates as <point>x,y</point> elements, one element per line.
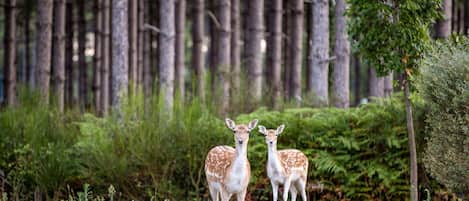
<point>128,99</point>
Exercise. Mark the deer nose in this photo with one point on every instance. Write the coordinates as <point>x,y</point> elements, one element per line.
<point>240,141</point>
<point>270,142</point>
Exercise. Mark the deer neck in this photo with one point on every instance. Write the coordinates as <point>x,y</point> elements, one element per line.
<point>273,160</point>
<point>241,151</point>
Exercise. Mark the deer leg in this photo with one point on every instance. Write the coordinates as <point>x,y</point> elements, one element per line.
<point>301,186</point>
<point>241,196</point>
<point>225,196</point>
<point>274,190</point>
<point>286,188</point>
<point>293,193</point>
<point>213,193</point>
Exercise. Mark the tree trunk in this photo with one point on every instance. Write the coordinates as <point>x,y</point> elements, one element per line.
<point>461,18</point>
<point>412,147</point>
<point>120,53</point>
<point>213,52</point>
<point>388,85</point>
<point>105,68</point>
<point>296,48</point>
<point>98,15</point>
<point>147,74</point>
<point>342,54</point>
<point>27,38</point>
<point>198,41</point>
<point>466,18</point>
<point>141,45</point>
<point>133,31</point>
<point>309,45</point>
<point>43,47</point>
<point>357,81</point>
<point>454,15</point>
<point>235,57</point>
<point>376,84</point>
<point>320,53</point>
<point>274,51</point>
<point>59,52</point>
<point>443,26</point>
<point>254,37</point>
<point>223,53</point>
<point>10,53</point>
<point>287,27</point>
<point>83,67</point>
<point>167,53</point>
<point>69,55</point>
<point>180,56</point>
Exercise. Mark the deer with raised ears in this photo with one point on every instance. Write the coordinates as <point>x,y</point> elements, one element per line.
<point>227,169</point>
<point>287,167</point>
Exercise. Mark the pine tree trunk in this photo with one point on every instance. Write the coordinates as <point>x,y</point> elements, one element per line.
<point>342,53</point>
<point>388,85</point>
<point>412,147</point>
<point>454,15</point>
<point>59,52</point>
<point>320,53</point>
<point>141,45</point>
<point>296,48</point>
<point>27,38</point>
<point>133,32</point>
<point>197,54</point>
<point>69,55</point>
<point>287,27</point>
<point>105,68</point>
<point>43,47</point>
<point>274,51</point>
<point>213,52</point>
<point>443,27</point>
<point>466,18</point>
<point>167,53</point>
<point>83,67</point>
<point>147,74</point>
<point>223,53</point>
<point>254,36</point>
<point>98,15</point>
<point>180,56</point>
<point>357,81</point>
<point>10,53</point>
<point>235,57</point>
<point>376,84</point>
<point>120,53</point>
<point>309,47</point>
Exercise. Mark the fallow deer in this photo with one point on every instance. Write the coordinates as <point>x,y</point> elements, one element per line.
<point>227,169</point>
<point>287,167</point>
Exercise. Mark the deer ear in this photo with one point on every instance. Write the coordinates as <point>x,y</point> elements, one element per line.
<point>280,129</point>
<point>252,124</point>
<point>230,124</point>
<point>262,130</point>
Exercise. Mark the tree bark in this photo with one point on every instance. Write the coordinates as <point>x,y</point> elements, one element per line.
<point>454,16</point>
<point>69,55</point>
<point>59,52</point>
<point>235,57</point>
<point>274,51</point>
<point>388,85</point>
<point>133,32</point>
<point>83,67</point>
<point>223,53</point>
<point>180,56</point>
<point>376,84</point>
<point>466,18</point>
<point>213,52</point>
<point>27,38</point>
<point>105,68</point>
<point>167,53</point>
<point>412,147</point>
<point>342,53</point>
<point>296,48</point>
<point>320,53</point>
<point>120,53</point>
<point>254,36</point>
<point>141,45</point>
<point>309,47</point>
<point>357,81</point>
<point>43,47</point>
<point>147,74</point>
<point>10,53</point>
<point>98,15</point>
<point>198,41</point>
<point>443,26</point>
<point>287,54</point>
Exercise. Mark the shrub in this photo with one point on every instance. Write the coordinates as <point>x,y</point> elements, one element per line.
<point>444,84</point>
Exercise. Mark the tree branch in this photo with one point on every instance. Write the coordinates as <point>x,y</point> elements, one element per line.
<point>215,20</point>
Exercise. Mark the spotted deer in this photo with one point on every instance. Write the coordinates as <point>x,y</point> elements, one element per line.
<point>227,169</point>
<point>287,167</point>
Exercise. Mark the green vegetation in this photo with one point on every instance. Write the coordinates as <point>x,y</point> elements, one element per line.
<point>444,85</point>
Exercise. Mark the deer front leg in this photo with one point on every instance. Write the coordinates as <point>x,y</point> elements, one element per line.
<point>293,193</point>
<point>274,190</point>
<point>286,188</point>
<point>241,196</point>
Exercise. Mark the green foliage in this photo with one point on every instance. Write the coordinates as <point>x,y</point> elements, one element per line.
<point>392,35</point>
<point>444,85</point>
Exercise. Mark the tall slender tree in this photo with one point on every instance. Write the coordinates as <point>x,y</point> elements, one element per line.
<point>309,45</point>
<point>388,85</point>
<point>120,53</point>
<point>27,40</point>
<point>320,53</point>
<point>59,52</point>
<point>180,56</point>
<point>69,54</point>
<point>43,47</point>
<point>223,51</point>
<point>235,45</point>
<point>296,48</point>
<point>133,32</point>
<point>105,68</point>
<point>147,64</point>
<point>82,65</point>
<point>274,50</point>
<point>254,36</point>
<point>198,41</point>
<point>443,26</point>
<point>141,40</point>
<point>376,84</point>
<point>287,27</point>
<point>98,17</point>
<point>10,53</point>
<point>466,18</point>
<point>342,54</point>
<point>167,52</point>
<point>357,80</point>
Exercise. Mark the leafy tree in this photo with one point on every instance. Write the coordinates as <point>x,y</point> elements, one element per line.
<point>393,35</point>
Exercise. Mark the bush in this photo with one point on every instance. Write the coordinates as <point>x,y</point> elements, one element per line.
<point>444,84</point>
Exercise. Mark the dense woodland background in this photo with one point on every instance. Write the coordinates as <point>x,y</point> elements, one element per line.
<point>128,95</point>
